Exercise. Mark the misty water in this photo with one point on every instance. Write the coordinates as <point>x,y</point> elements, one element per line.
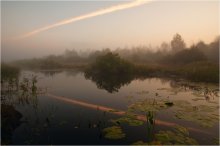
<point>54,121</point>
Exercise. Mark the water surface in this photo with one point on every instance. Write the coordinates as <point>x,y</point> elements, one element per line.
<point>53,121</point>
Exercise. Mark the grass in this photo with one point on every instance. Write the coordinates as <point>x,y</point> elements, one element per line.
<point>9,71</point>
<point>197,71</point>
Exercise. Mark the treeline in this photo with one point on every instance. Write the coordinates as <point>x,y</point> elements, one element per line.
<point>173,53</point>
<point>199,62</point>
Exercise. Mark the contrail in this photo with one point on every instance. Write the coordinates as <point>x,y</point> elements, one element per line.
<point>89,15</point>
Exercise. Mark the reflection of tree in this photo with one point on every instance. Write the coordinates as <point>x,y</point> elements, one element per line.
<point>109,82</point>
<point>110,72</point>
<point>72,73</point>
<point>51,73</point>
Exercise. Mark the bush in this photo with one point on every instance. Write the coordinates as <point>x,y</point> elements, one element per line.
<point>185,57</point>
<point>9,71</point>
<point>111,63</point>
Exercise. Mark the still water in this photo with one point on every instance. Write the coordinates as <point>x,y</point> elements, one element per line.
<point>53,121</point>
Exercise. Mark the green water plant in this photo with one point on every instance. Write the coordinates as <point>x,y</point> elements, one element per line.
<point>114,132</point>
<point>179,135</point>
<point>127,120</point>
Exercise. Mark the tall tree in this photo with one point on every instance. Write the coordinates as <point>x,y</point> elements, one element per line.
<point>177,43</point>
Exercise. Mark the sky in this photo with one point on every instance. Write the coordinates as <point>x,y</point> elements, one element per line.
<point>150,23</point>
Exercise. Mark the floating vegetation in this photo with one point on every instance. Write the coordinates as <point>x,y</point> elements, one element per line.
<point>170,138</point>
<point>180,135</point>
<point>140,142</point>
<point>197,99</point>
<point>181,129</point>
<point>114,132</point>
<point>216,141</point>
<point>205,116</point>
<point>148,105</point>
<point>162,89</point>
<point>198,94</point>
<point>128,120</point>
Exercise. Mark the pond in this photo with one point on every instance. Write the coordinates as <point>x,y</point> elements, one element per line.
<point>72,108</point>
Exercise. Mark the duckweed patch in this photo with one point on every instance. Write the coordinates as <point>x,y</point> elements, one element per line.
<point>114,132</point>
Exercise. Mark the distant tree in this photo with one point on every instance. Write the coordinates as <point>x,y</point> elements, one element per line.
<point>186,56</point>
<point>71,53</point>
<point>201,45</point>
<point>164,48</point>
<point>177,44</point>
<point>214,50</point>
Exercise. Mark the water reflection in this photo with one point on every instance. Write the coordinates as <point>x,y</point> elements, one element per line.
<point>15,91</point>
<point>61,123</point>
<point>109,82</point>
<point>50,73</point>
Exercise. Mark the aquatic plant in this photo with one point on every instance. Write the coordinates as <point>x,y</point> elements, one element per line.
<point>147,105</point>
<point>114,132</point>
<point>205,116</point>
<point>127,120</point>
<point>178,136</point>
<point>154,142</point>
<point>216,141</point>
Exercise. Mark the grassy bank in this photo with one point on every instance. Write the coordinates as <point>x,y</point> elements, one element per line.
<point>196,71</point>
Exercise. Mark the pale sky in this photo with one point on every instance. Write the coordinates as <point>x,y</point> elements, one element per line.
<point>151,23</point>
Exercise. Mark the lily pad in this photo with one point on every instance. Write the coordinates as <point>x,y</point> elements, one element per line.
<point>205,116</point>
<point>170,138</point>
<point>197,99</point>
<point>129,121</point>
<point>148,105</point>
<point>182,130</point>
<point>198,94</point>
<point>162,89</point>
<point>140,142</point>
<point>114,132</point>
<point>216,141</point>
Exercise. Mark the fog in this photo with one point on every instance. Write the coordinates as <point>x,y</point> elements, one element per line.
<point>147,25</point>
